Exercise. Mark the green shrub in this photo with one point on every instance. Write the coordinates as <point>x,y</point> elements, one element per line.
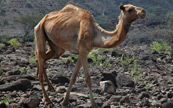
<point>4,38</point>
<point>14,42</point>
<point>95,95</point>
<point>1,71</point>
<point>131,63</point>
<point>98,60</point>
<point>4,100</point>
<point>135,71</point>
<point>126,60</point>
<point>22,70</point>
<point>148,85</point>
<point>2,45</point>
<point>31,59</point>
<point>160,46</point>
<point>72,58</point>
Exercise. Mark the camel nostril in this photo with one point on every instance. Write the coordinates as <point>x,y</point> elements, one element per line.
<point>143,11</point>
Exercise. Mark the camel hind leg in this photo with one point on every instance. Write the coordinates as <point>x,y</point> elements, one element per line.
<point>53,51</point>
<point>40,52</point>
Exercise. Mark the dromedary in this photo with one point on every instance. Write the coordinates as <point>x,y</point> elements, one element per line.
<point>74,29</point>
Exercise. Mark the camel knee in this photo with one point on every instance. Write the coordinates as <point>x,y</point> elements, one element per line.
<point>40,77</point>
<point>88,80</point>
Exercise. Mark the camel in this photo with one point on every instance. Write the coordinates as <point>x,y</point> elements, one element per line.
<point>75,29</point>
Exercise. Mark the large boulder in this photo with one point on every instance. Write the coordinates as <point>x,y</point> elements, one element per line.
<point>21,84</point>
<point>107,86</point>
<point>109,76</point>
<point>168,104</point>
<point>61,80</point>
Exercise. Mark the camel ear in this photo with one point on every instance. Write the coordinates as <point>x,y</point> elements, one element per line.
<point>122,7</point>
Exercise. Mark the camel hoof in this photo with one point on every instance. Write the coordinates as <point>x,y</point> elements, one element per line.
<point>65,104</point>
<point>51,88</point>
<point>94,105</point>
<point>47,101</point>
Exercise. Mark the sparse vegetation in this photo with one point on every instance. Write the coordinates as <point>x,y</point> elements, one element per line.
<point>31,59</point>
<point>22,70</point>
<point>4,38</point>
<point>2,45</point>
<point>129,61</point>
<point>14,42</point>
<point>72,58</point>
<point>60,61</point>
<point>98,60</point>
<point>1,71</point>
<point>126,60</point>
<point>148,85</point>
<point>160,46</point>
<point>4,100</point>
<point>135,71</point>
<point>95,95</point>
<point>28,68</point>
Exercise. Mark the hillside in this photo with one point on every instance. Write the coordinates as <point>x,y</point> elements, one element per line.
<point>158,21</point>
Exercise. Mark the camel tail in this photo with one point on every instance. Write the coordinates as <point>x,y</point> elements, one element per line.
<point>40,40</point>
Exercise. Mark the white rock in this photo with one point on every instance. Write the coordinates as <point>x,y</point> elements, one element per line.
<point>107,86</point>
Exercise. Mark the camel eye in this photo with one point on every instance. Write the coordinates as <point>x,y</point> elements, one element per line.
<point>130,10</point>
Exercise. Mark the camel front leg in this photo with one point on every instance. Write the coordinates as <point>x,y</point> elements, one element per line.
<point>49,55</point>
<point>84,61</point>
<point>72,81</point>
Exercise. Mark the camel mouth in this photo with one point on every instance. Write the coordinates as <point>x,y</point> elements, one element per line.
<point>142,16</point>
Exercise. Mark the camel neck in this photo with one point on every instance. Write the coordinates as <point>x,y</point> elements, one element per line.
<point>107,39</point>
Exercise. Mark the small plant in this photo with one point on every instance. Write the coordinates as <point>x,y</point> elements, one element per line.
<point>49,73</point>
<point>98,60</point>
<point>1,71</point>
<point>22,70</point>
<point>160,46</point>
<point>93,57</point>
<point>5,100</point>
<point>126,60</point>
<point>34,41</point>
<point>60,61</point>
<point>4,38</point>
<point>103,49</point>
<point>131,63</point>
<point>94,95</point>
<point>14,42</point>
<point>135,71</point>
<point>148,85</point>
<point>2,45</point>
<point>71,59</point>
<point>31,59</point>
<point>28,68</point>
<point>105,63</point>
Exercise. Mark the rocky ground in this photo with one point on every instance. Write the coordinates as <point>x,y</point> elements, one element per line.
<point>124,77</point>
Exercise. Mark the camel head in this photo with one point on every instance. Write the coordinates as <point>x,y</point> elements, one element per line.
<point>131,13</point>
